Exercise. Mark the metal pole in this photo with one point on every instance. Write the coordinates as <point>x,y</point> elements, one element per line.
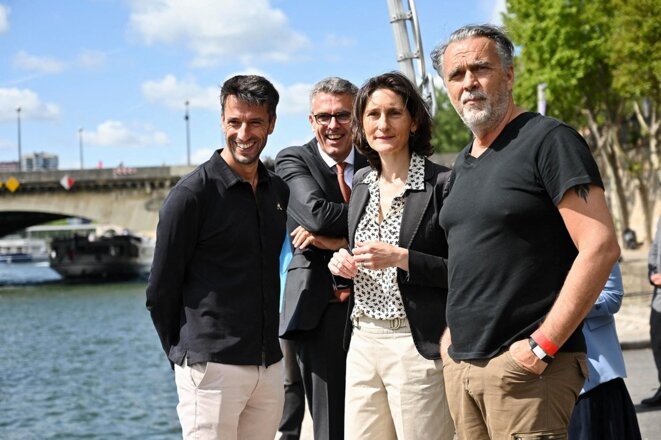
<point>541,98</point>
<point>18,116</point>
<point>187,118</point>
<point>80,146</point>
<point>405,57</point>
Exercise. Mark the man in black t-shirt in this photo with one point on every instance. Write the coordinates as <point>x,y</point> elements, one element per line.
<point>531,244</point>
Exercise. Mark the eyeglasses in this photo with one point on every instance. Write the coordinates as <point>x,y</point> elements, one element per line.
<point>325,118</point>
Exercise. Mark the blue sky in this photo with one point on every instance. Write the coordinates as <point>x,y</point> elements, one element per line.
<point>122,69</point>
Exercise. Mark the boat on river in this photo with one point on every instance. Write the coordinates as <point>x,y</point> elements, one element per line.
<point>16,249</point>
<point>106,254</point>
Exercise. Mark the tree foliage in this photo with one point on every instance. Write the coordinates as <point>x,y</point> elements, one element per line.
<point>600,62</point>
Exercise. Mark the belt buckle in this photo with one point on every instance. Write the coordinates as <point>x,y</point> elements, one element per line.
<point>396,323</point>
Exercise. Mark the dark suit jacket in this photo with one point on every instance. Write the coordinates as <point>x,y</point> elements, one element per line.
<point>424,287</point>
<point>316,204</point>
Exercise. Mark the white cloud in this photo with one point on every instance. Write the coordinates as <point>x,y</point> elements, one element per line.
<point>497,8</point>
<point>294,99</point>
<point>200,155</point>
<point>91,59</point>
<point>117,134</point>
<point>338,41</point>
<point>31,105</point>
<point>4,19</point>
<point>39,64</point>
<point>173,93</point>
<point>218,30</point>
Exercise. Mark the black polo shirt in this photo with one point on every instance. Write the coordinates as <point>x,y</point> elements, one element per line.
<point>213,291</point>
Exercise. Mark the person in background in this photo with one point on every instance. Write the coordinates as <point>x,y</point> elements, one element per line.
<point>531,243</point>
<point>294,408</point>
<point>654,266</point>
<point>397,262</point>
<point>319,176</point>
<point>213,291</point>
<point>604,410</point>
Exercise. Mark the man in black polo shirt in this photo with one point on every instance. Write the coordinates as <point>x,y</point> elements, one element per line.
<point>213,292</point>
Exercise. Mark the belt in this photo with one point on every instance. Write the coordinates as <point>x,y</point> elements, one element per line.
<point>390,324</point>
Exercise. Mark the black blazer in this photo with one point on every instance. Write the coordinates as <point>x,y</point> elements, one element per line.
<point>424,287</point>
<point>315,202</point>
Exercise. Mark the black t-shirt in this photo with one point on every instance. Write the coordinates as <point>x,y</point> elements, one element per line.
<point>509,251</point>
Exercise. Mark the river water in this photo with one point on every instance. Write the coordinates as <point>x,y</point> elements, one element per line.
<point>80,361</point>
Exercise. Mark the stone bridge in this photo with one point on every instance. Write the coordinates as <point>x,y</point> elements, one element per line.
<point>128,197</point>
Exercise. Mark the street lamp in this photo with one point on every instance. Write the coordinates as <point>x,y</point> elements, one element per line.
<point>80,146</point>
<point>541,98</point>
<point>18,120</point>
<point>187,119</point>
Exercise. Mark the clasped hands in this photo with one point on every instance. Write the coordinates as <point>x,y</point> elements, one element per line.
<point>368,255</point>
<point>302,238</point>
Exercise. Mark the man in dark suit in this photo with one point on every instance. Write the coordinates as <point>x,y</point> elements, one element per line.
<point>314,307</point>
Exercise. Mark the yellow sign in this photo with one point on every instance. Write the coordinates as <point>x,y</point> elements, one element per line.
<point>12,184</point>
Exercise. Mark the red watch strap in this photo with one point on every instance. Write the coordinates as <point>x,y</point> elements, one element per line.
<point>549,347</point>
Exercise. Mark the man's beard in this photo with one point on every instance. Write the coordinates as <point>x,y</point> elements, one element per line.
<point>481,120</point>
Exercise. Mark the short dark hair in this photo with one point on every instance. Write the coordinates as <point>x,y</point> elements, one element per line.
<point>334,85</point>
<point>504,46</point>
<point>252,89</point>
<point>420,141</point>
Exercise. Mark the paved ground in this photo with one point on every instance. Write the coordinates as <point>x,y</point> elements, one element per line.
<point>633,329</point>
<point>642,382</point>
<point>632,321</point>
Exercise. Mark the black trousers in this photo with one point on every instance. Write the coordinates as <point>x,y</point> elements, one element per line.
<point>655,334</point>
<point>606,412</point>
<point>294,409</point>
<point>322,361</point>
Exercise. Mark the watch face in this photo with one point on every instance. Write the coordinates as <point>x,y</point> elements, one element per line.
<point>539,352</point>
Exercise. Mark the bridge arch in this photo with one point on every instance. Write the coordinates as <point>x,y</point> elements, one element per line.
<point>131,201</point>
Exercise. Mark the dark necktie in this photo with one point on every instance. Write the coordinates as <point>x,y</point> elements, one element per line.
<point>344,188</point>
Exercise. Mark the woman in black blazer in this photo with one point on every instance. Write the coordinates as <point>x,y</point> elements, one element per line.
<point>394,385</point>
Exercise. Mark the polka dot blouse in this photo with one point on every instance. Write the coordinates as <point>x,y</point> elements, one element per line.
<point>376,292</point>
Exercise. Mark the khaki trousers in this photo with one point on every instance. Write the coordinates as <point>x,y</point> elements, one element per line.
<point>497,399</point>
<point>229,402</point>
<point>392,392</point>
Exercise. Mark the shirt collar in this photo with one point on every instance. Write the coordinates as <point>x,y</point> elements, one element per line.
<point>331,162</point>
<point>416,176</point>
<point>230,177</point>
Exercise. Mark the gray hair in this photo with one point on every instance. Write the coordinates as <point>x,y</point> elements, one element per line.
<point>504,46</point>
<point>334,85</point>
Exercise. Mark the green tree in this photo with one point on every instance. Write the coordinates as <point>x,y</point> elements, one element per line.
<point>636,43</point>
<point>569,46</point>
<point>449,134</point>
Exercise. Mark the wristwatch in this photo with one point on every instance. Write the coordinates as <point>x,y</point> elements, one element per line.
<point>539,351</point>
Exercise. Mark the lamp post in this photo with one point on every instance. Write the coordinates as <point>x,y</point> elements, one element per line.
<point>187,119</point>
<point>18,120</point>
<point>80,146</point>
<point>541,98</point>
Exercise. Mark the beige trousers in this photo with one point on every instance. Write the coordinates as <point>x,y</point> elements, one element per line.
<point>392,392</point>
<point>497,399</point>
<point>229,402</point>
